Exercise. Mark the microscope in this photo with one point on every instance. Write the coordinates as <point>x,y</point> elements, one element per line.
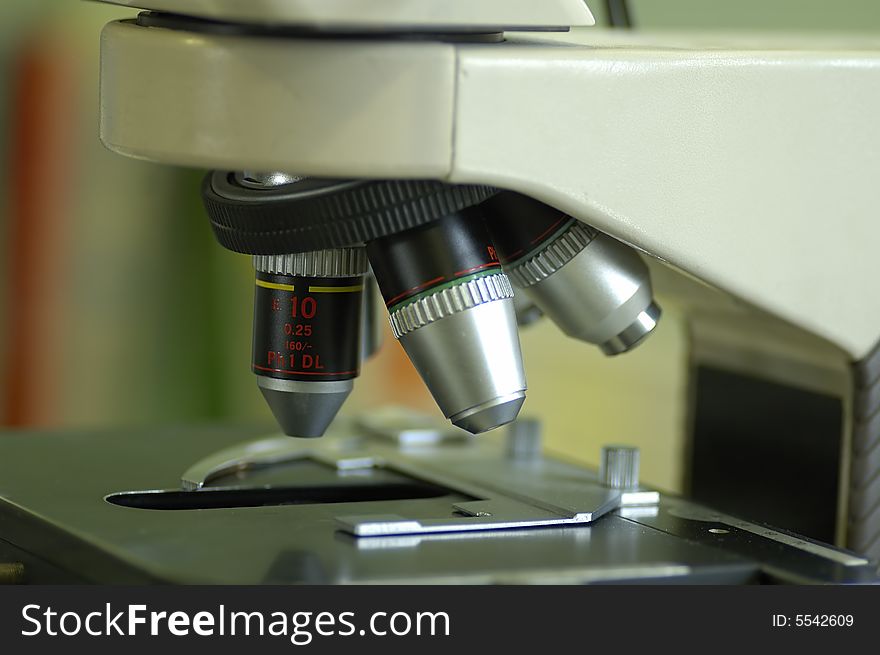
<point>461,168</point>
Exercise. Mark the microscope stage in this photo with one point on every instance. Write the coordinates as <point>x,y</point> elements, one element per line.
<point>111,508</point>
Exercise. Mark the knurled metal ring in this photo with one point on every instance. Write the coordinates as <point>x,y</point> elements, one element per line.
<point>341,262</point>
<point>450,300</point>
<point>551,257</point>
<point>322,214</point>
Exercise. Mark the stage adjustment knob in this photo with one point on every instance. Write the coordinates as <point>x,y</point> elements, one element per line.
<point>619,468</point>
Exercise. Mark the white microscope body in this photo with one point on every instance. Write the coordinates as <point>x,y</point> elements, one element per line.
<point>747,164</point>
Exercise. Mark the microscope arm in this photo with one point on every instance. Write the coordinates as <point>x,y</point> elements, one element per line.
<point>749,167</point>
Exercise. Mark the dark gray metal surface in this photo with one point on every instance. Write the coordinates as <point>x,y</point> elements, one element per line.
<point>54,519</point>
<point>864,492</point>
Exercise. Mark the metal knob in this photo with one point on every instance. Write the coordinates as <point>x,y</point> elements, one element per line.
<point>619,467</point>
<point>524,439</point>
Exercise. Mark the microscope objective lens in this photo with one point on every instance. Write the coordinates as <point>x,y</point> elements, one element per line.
<point>595,288</point>
<point>307,334</point>
<point>451,308</point>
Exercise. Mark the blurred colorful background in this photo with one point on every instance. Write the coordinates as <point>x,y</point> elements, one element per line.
<point>118,309</point>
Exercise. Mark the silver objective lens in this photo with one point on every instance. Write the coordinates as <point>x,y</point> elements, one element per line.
<point>463,340</point>
<point>595,288</point>
<point>451,308</point>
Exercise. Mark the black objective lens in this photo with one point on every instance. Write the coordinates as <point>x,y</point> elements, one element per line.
<point>308,335</point>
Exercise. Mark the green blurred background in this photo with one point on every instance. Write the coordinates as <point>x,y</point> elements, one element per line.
<point>120,310</point>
